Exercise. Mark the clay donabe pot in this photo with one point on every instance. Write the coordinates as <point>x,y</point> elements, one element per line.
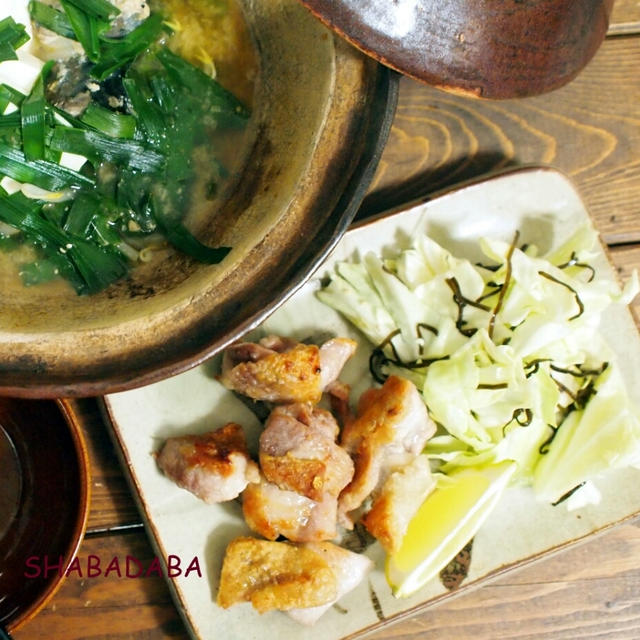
<point>322,111</point>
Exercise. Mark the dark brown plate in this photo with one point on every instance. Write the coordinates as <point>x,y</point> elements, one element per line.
<point>44,502</point>
<point>491,48</point>
<point>322,111</point>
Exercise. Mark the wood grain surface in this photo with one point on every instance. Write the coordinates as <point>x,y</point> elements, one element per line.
<point>589,129</point>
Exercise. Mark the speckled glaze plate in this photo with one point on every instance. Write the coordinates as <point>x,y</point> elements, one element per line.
<point>545,207</point>
<point>491,48</point>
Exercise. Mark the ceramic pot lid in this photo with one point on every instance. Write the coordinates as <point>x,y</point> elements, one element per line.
<point>489,48</point>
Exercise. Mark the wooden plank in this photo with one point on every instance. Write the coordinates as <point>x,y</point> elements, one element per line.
<point>99,607</point>
<point>625,18</point>
<point>588,591</point>
<point>439,139</point>
<point>111,501</point>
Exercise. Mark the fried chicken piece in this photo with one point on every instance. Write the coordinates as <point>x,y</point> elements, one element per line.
<point>391,428</point>
<point>298,452</point>
<point>281,370</point>
<point>338,394</point>
<point>275,575</point>
<point>334,354</point>
<point>398,501</point>
<point>273,512</point>
<point>350,569</point>
<point>214,466</point>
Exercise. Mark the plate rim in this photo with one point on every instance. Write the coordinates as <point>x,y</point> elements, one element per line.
<point>466,586</point>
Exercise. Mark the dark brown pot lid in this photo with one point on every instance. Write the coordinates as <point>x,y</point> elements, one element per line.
<point>490,48</point>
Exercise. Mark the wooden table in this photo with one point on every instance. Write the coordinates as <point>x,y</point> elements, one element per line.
<point>590,129</point>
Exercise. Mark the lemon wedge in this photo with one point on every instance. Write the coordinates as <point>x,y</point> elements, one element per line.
<point>449,517</point>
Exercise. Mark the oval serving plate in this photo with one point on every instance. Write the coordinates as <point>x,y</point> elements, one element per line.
<point>44,502</point>
<point>489,48</point>
<point>546,208</point>
<point>322,113</point>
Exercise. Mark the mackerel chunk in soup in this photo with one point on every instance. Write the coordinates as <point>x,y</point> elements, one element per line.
<point>124,127</point>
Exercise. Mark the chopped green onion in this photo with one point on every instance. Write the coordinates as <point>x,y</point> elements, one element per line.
<point>12,95</point>
<point>5,99</point>
<point>117,53</point>
<point>202,85</point>
<point>10,121</point>
<point>164,91</point>
<point>41,173</point>
<point>52,19</point>
<point>86,28</point>
<point>12,37</point>
<point>7,52</point>
<point>138,176</point>
<point>97,147</point>
<point>103,232</point>
<point>149,115</point>
<point>32,113</point>
<point>113,124</point>
<point>101,9</point>
<point>81,214</point>
<point>97,266</point>
<point>181,238</point>
<point>177,234</point>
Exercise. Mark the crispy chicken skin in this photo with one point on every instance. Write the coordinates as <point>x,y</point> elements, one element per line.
<point>298,452</point>
<point>281,370</point>
<point>395,504</point>
<point>275,575</point>
<point>214,466</point>
<point>390,429</point>
<point>303,580</point>
<point>350,569</point>
<point>273,512</point>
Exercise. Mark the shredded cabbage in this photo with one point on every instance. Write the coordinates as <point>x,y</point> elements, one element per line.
<point>507,355</point>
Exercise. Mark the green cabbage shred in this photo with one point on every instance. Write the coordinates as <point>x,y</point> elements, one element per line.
<point>507,354</point>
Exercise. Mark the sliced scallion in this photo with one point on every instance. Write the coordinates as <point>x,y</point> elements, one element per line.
<point>115,125</point>
<point>98,147</point>
<point>50,18</point>
<point>117,53</point>
<point>201,85</point>
<point>32,116</point>
<point>177,234</point>
<point>149,115</point>
<point>97,8</point>
<point>13,95</point>
<point>12,37</point>
<point>10,120</point>
<point>7,52</point>
<point>81,213</point>
<point>41,173</point>
<point>86,28</point>
<point>97,266</point>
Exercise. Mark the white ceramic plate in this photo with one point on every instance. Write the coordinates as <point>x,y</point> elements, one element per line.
<point>544,206</point>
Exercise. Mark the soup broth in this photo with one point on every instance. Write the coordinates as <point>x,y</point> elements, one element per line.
<point>185,103</point>
<point>10,482</point>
